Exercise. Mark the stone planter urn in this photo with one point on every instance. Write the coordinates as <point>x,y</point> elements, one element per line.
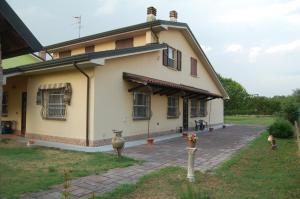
<point>118,142</point>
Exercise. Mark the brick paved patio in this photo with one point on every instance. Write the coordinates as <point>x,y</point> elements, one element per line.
<point>213,148</point>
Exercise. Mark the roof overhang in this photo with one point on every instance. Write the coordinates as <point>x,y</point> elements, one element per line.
<point>85,60</point>
<point>167,88</point>
<point>16,38</point>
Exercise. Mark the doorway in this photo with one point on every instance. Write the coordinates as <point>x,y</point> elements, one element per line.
<point>23,114</point>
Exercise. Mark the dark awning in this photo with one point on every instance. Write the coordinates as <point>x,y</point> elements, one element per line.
<point>167,88</point>
<point>16,38</point>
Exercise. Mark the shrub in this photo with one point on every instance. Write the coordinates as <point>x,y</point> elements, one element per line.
<point>281,129</point>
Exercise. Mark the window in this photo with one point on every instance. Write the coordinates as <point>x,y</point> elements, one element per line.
<point>89,49</point>
<point>173,104</point>
<point>198,108</point>
<point>141,105</point>
<point>194,107</point>
<point>202,108</point>
<point>66,53</point>
<point>55,104</point>
<point>172,58</point>
<point>124,43</point>
<point>193,67</point>
<point>4,104</point>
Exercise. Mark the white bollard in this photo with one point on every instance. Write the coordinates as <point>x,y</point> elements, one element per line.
<point>191,161</point>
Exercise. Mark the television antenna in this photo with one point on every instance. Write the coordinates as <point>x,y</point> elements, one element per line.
<point>78,22</point>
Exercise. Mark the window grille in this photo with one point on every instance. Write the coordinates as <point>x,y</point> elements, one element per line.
<point>173,106</point>
<point>56,108</point>
<point>141,105</point>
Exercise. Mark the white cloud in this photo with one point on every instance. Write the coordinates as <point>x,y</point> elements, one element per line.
<point>291,46</point>
<point>206,48</point>
<point>282,11</point>
<point>254,52</point>
<point>106,7</point>
<point>234,48</point>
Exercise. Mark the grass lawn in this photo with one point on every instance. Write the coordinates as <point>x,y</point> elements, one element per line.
<point>254,172</point>
<point>249,119</point>
<point>24,169</point>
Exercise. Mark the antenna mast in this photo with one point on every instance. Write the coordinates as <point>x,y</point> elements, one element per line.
<point>78,21</point>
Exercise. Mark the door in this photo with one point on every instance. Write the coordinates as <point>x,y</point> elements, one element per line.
<point>23,117</point>
<point>185,115</point>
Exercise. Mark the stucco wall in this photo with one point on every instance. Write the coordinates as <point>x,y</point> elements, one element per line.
<point>74,126</point>
<point>14,88</point>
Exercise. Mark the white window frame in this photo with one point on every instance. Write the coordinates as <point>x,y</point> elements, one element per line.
<point>172,57</point>
<point>174,105</point>
<point>146,106</point>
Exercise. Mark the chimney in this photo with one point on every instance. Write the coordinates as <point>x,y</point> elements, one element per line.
<point>173,15</point>
<point>151,14</point>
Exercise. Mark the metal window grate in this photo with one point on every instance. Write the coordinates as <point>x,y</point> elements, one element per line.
<point>56,108</point>
<point>141,105</point>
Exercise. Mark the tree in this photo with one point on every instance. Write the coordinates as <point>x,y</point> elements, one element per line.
<point>238,96</point>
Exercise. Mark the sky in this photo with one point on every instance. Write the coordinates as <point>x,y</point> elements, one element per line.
<point>255,42</point>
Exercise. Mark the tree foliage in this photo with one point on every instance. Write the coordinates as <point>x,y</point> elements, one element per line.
<point>243,103</point>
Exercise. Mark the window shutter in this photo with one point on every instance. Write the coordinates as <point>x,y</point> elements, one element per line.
<point>205,108</point>
<point>124,43</point>
<point>165,57</point>
<point>193,67</point>
<point>178,60</point>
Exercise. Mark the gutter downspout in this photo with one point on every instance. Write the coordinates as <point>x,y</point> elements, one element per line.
<point>87,102</point>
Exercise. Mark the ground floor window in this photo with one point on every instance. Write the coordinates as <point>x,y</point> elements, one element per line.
<point>198,108</point>
<point>4,104</point>
<point>56,108</point>
<point>202,108</point>
<point>141,105</point>
<point>173,106</point>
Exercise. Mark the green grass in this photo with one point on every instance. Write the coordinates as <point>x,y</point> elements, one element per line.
<point>254,172</point>
<point>24,169</point>
<point>249,119</point>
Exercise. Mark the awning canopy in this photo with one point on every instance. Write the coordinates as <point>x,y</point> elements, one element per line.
<point>16,38</point>
<point>167,88</point>
<point>54,86</point>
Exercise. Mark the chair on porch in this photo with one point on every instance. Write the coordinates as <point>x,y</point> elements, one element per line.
<point>200,125</point>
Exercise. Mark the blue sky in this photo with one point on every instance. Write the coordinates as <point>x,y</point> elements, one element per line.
<point>255,42</point>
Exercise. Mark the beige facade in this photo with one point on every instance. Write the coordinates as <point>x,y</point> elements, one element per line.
<point>111,104</point>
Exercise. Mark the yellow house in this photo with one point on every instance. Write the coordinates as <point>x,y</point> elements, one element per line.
<point>152,75</point>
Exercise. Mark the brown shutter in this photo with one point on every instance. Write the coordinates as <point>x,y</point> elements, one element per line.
<point>165,57</point>
<point>193,67</point>
<point>205,109</point>
<point>178,60</point>
<point>124,43</point>
<point>66,53</point>
<point>89,49</point>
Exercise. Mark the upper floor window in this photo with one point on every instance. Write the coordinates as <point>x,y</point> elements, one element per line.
<point>173,106</point>
<point>193,67</point>
<point>4,104</point>
<point>172,58</point>
<point>89,49</point>
<point>66,53</point>
<point>141,105</point>
<point>124,43</point>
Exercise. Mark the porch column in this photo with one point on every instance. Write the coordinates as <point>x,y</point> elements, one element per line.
<point>1,85</point>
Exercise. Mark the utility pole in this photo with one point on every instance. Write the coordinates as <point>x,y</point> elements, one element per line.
<point>78,22</point>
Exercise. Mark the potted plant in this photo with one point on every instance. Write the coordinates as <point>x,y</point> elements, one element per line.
<point>192,140</point>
